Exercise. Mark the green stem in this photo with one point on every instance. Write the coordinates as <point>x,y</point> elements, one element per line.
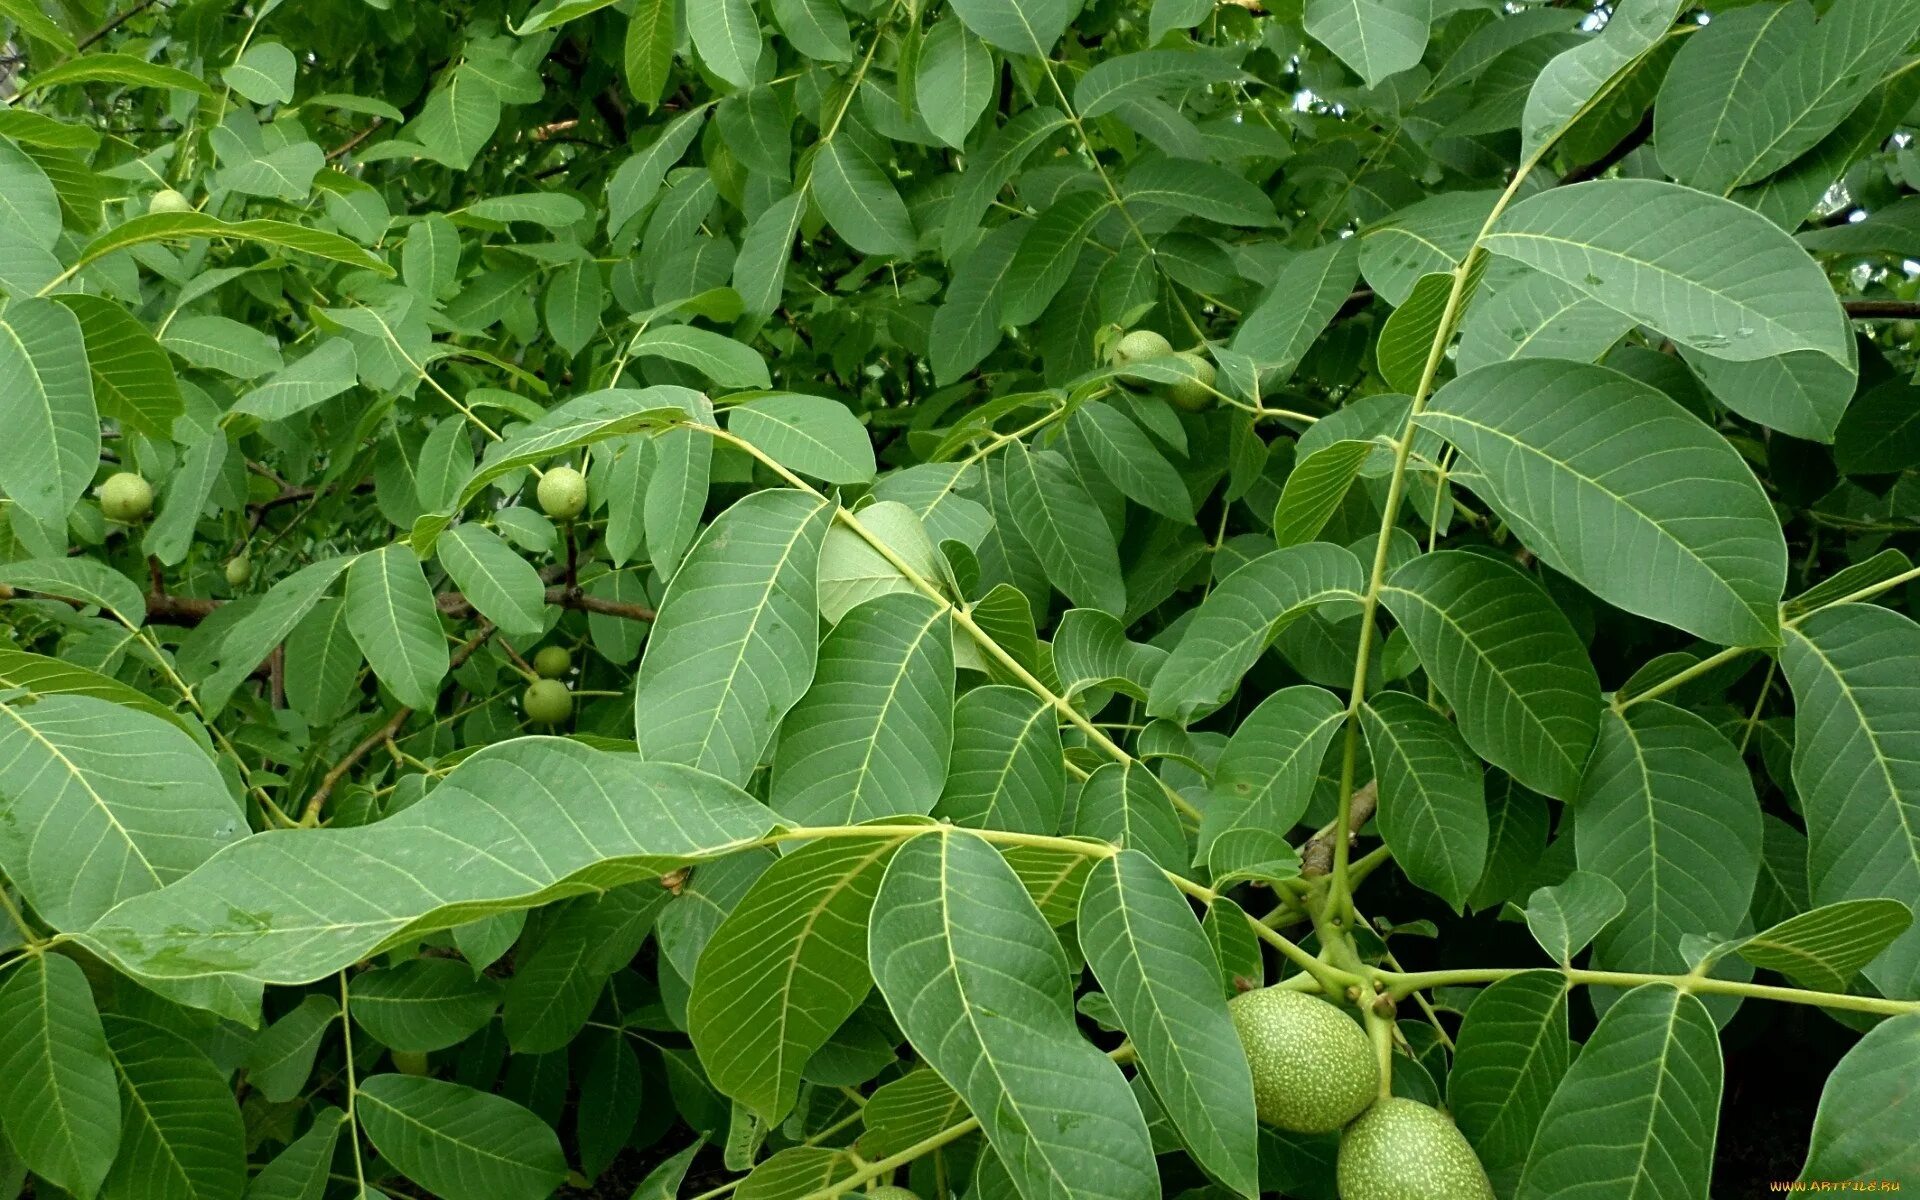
<point>1679,678</point>
<point>353,1087</point>
<point>1399,983</point>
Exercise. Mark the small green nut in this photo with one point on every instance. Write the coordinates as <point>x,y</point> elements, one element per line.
<point>888,1192</point>
<point>1313,1068</point>
<point>1139,346</point>
<point>563,493</point>
<point>1906,331</point>
<point>552,662</point>
<point>239,570</point>
<point>410,1062</point>
<point>547,702</point>
<point>1401,1149</point>
<point>166,200</point>
<point>1196,394</point>
<point>126,498</point>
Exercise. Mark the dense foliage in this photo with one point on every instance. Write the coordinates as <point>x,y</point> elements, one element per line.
<point>776,597</point>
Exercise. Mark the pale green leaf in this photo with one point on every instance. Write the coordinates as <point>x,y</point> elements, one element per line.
<point>392,615</point>
<point>1005,770</point>
<point>499,583</point>
<point>1867,1129</point>
<point>52,445</point>
<point>182,1137</point>
<point>516,825</point>
<point>460,1143</point>
<point>264,74</point>
<point>1637,1112</point>
<point>733,647</point>
<point>728,363</point>
<point>1377,38</point>
<point>978,982</point>
<point>1596,470</point>
<point>1433,805</point>
<point>727,36</point>
<point>1151,960</point>
<point>58,1096</point>
<point>103,803</point>
<point>810,435</point>
<point>1566,917</point>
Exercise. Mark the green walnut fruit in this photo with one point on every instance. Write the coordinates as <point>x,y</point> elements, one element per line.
<point>125,497</point>
<point>563,493</point>
<point>887,1193</point>
<point>547,701</point>
<point>1402,1150</point>
<point>1139,346</point>
<point>1313,1068</point>
<point>166,200</point>
<point>1194,395</point>
<point>239,570</point>
<point>1906,331</point>
<point>411,1062</point>
<point>552,662</point>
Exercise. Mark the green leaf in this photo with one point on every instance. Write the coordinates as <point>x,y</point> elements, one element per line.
<point>785,969</point>
<point>1112,82</point>
<point>1029,27</point>
<point>907,1110</point>
<point>1091,649</point>
<point>954,81</point>
<point>1005,771</point>
<point>1616,485</point>
<point>1047,254</point>
<point>727,37</point>
<point>1315,489</point>
<point>1569,86</point>
<point>27,200</point>
<point>1433,804</point>
<point>810,435</point>
<point>1199,189</point>
<point>251,638</point>
<point>1125,805</point>
<point>457,1142</point>
<point>161,227</point>
<point>727,363</point>
<point>222,344</point>
<point>871,736</point>
<point>1063,522</point>
<point>1377,38</point>
<point>1825,948</point>
<point>423,1004</point>
<point>1267,771</point>
<point>1309,289</point>
<point>1506,659</point>
<point>1242,616</point>
<point>1800,81</point>
<point>1510,1055</point>
<point>58,1097</point>
<point>999,160</point>
<point>733,647</point>
<point>1667,812</point>
<point>281,1057</point>
<point>978,982</point>
<point>1406,340</point>
<point>133,383</point>
<point>518,824</point>
<point>648,56</point>
<point>182,1137</point>
<point>80,579</point>
<point>1636,1113</point>
<point>1129,458</point>
<point>1566,917</point>
<point>46,676</point>
<point>966,326</point>
<point>300,1171</point>
<point>317,376</point>
<point>1865,1129</point>
<point>170,536</point>
<point>1151,960</point>
<point>1854,752</point>
<point>499,583</point>
<point>103,67</point>
<point>574,299</point>
<point>1535,315</point>
<point>264,74</point>
<point>47,406</point>
<point>859,201</point>
<point>103,803</point>
<point>760,272</point>
<point>817,28</point>
<point>559,977</point>
<point>28,20</point>
<point>1709,273</point>
<point>552,13</point>
<point>1803,394</point>
<point>391,612</point>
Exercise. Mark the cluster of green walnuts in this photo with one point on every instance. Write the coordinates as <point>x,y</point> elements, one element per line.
<point>1314,1071</point>
<point>1194,394</point>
